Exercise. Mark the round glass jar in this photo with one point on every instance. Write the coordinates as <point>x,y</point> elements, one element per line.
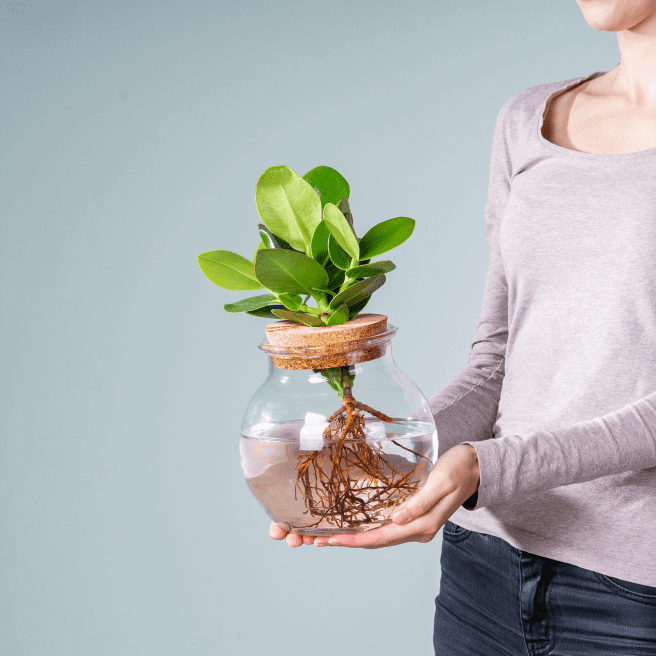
<point>337,435</point>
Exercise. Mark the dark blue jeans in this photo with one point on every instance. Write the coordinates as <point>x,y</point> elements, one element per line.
<point>496,600</point>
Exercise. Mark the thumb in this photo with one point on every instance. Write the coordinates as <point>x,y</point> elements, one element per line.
<point>422,501</point>
<point>413,507</point>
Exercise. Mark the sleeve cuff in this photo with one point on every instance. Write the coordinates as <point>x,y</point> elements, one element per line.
<point>470,504</point>
<point>489,466</point>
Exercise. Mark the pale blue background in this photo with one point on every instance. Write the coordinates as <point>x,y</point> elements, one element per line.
<point>133,133</point>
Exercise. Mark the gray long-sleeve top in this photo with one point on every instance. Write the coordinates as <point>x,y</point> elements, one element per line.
<point>559,394</point>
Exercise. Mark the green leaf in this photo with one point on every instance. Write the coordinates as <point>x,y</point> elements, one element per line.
<point>385,236</point>
<point>344,207</point>
<point>362,261</point>
<point>338,256</point>
<point>319,245</point>
<point>358,291</point>
<point>299,317</point>
<point>292,302</point>
<point>265,312</point>
<point>270,240</point>
<point>365,271</point>
<point>250,304</point>
<point>357,308</point>
<point>229,270</point>
<point>336,276</point>
<point>341,230</point>
<point>289,271</point>
<point>328,184</point>
<point>260,246</point>
<point>340,315</point>
<point>288,205</point>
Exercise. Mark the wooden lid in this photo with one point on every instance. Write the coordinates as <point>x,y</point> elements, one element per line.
<point>290,333</point>
<point>327,346</point>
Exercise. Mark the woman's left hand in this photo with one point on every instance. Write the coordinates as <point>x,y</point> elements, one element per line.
<point>454,478</point>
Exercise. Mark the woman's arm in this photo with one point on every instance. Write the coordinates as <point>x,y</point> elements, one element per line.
<point>466,408</point>
<point>621,441</point>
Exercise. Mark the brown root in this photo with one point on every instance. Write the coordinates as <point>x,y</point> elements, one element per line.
<point>356,468</point>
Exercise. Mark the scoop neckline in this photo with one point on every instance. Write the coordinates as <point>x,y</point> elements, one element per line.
<point>578,153</point>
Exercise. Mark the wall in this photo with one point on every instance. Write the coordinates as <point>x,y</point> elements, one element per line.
<point>133,133</point>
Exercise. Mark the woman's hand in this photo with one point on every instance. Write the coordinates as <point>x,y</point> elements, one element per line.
<point>453,479</point>
<point>277,532</point>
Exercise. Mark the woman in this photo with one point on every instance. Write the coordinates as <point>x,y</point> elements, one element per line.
<point>549,508</point>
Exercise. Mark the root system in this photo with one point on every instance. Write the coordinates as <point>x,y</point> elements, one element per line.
<point>361,484</point>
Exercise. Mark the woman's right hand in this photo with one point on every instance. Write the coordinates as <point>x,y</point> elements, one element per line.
<point>278,532</point>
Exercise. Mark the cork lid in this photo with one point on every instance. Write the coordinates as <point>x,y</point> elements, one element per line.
<point>320,347</point>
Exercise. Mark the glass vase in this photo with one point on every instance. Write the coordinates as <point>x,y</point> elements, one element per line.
<point>337,435</point>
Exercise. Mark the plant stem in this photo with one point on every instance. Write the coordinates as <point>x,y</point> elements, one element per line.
<point>349,281</point>
<point>338,378</point>
<point>308,309</point>
<point>322,303</point>
<point>347,380</point>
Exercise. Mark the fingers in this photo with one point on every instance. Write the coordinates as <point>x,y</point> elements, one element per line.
<point>276,531</point>
<point>385,536</point>
<point>294,540</point>
<point>279,532</point>
<point>422,529</point>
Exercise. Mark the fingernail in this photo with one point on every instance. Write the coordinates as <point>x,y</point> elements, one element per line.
<point>319,543</point>
<point>332,541</point>
<point>401,517</point>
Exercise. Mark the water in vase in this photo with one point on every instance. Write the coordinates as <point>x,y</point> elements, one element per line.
<point>358,495</point>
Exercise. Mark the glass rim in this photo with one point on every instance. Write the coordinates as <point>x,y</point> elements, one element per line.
<point>329,349</point>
